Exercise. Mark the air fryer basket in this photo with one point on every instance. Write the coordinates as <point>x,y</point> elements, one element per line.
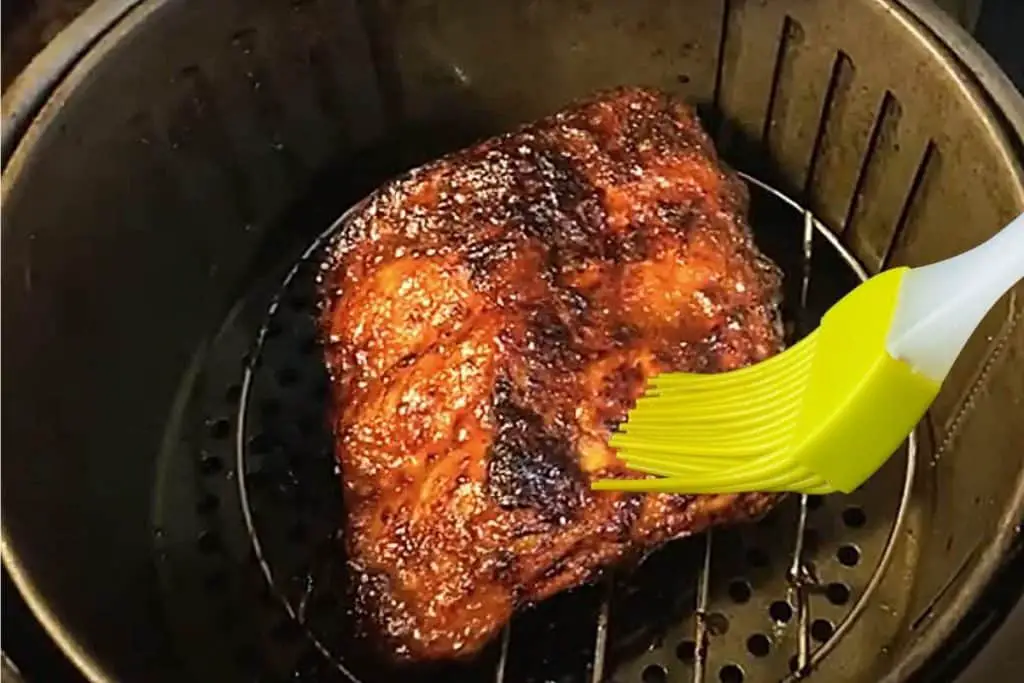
<point>151,214</point>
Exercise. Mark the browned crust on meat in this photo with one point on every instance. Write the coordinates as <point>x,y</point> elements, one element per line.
<point>489,318</point>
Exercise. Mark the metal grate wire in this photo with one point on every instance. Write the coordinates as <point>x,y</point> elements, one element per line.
<point>801,580</point>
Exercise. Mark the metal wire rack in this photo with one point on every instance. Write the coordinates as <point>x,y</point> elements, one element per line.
<point>291,514</point>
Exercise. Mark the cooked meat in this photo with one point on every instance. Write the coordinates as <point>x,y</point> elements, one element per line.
<point>488,320</point>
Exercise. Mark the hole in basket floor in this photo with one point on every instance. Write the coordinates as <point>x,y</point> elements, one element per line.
<point>780,611</point>
<point>759,645</point>
<point>730,673</point>
<point>654,673</point>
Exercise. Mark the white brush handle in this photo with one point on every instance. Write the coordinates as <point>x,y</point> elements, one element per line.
<point>941,304</point>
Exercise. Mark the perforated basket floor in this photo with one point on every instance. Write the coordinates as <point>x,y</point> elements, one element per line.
<point>250,554</point>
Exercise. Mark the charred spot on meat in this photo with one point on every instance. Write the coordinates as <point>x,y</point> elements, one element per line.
<point>528,466</point>
<point>488,319</point>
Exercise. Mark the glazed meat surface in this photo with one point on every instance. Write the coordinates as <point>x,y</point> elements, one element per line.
<point>488,320</point>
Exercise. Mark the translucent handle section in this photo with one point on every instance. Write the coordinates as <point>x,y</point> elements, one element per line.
<point>941,304</point>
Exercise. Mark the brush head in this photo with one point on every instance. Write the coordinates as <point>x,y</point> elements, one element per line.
<point>821,416</point>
